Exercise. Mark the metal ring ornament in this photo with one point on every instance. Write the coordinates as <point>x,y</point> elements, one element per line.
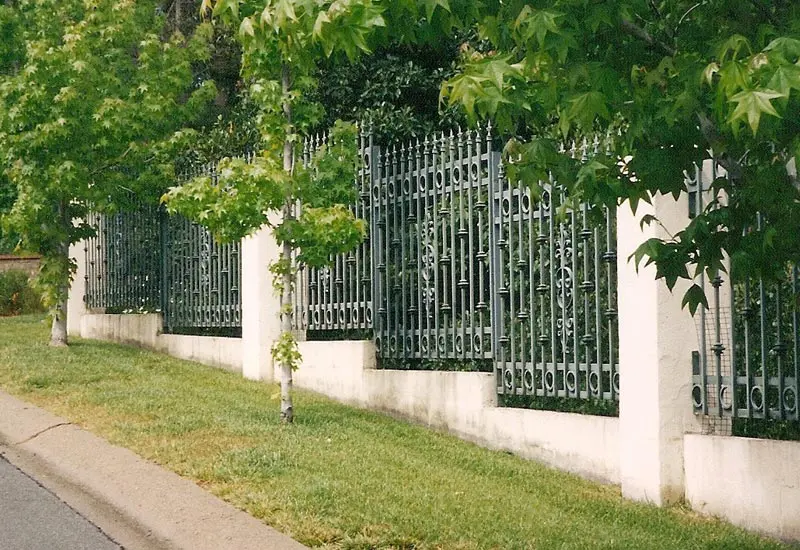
<point>725,398</point>
<point>528,378</point>
<point>594,382</point>
<point>697,396</point>
<point>790,399</point>
<point>571,381</point>
<point>757,398</point>
<point>525,201</point>
<point>549,380</point>
<point>506,205</point>
<point>508,379</point>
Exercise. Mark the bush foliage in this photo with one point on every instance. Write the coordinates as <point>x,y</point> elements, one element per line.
<point>17,296</point>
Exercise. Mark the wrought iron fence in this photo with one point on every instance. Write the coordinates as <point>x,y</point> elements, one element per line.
<point>123,261</point>
<point>555,321</point>
<point>430,228</point>
<point>748,364</point>
<point>202,279</point>
<point>337,300</point>
<point>145,260</point>
<point>462,267</point>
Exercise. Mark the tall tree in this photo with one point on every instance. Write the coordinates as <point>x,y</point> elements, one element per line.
<point>282,40</point>
<point>676,79</point>
<point>91,104</point>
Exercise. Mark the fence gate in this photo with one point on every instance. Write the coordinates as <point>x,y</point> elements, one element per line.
<point>554,302</point>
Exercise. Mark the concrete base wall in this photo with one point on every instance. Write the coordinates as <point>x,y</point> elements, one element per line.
<point>462,403</point>
<point>146,330</point>
<point>754,483</point>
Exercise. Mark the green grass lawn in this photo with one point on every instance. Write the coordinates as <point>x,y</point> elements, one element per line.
<point>339,477</point>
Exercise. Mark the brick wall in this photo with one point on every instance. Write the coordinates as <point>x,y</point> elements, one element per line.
<point>29,264</point>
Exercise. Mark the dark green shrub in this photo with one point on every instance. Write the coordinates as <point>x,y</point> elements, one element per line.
<point>16,294</point>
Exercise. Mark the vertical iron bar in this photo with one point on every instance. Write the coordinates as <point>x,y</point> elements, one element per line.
<point>494,189</point>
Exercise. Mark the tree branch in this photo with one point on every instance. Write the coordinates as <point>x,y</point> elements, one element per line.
<point>636,31</point>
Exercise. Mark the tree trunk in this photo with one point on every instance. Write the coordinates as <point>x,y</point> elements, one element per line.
<point>287,410</point>
<point>58,331</point>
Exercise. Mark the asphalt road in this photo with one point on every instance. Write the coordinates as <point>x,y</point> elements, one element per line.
<point>33,518</point>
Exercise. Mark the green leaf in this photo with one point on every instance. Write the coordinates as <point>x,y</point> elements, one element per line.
<point>587,107</point>
<point>246,28</point>
<point>785,79</point>
<point>694,297</point>
<point>752,104</point>
<point>788,47</point>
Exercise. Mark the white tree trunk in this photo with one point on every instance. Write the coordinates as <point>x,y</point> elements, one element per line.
<point>287,410</point>
<point>58,331</point>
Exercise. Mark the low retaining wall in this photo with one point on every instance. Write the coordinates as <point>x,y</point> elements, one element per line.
<point>462,403</point>
<point>146,330</point>
<point>754,483</point>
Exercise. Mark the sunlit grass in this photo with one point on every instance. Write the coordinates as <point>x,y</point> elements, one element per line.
<point>339,477</point>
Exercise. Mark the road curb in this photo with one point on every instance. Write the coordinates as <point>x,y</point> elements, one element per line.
<point>165,510</point>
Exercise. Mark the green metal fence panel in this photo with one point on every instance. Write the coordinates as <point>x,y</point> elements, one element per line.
<point>202,279</point>
<point>555,321</point>
<point>430,241</point>
<point>464,268</point>
<point>748,364</point>
<point>145,260</point>
<point>338,299</point>
<point>122,261</point>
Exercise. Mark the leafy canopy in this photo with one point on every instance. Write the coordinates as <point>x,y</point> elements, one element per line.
<point>674,80</point>
<point>92,98</point>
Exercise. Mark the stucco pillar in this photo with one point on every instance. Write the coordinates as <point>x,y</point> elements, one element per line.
<point>76,307</point>
<point>260,305</point>
<point>656,339</point>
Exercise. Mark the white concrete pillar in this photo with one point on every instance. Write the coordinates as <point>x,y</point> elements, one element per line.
<point>76,307</point>
<point>656,339</point>
<point>260,305</point>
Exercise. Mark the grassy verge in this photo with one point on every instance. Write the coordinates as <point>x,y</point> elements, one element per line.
<point>339,477</point>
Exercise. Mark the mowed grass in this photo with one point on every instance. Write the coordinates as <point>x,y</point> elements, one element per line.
<point>339,477</point>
